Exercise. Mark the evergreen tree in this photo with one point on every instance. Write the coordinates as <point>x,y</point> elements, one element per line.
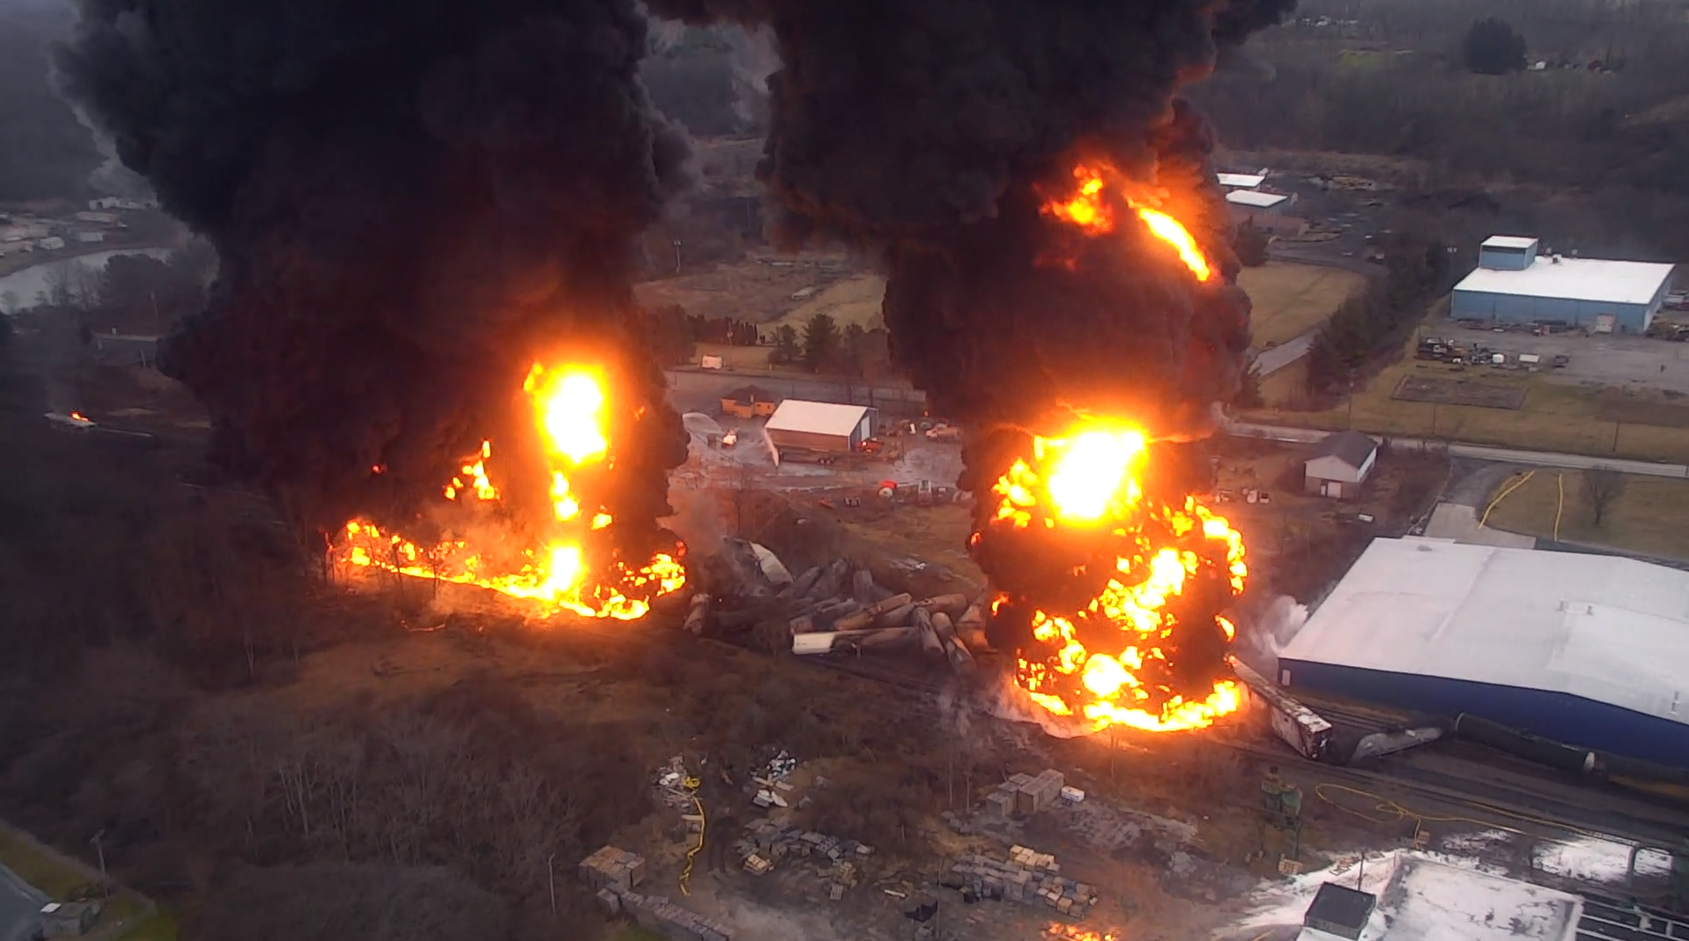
<point>820,342</point>
<point>1492,47</point>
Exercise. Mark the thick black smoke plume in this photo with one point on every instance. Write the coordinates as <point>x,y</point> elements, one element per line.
<point>938,131</point>
<point>412,201</point>
<point>933,130</point>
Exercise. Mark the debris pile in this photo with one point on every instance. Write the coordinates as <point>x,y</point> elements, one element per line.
<point>769,783</point>
<point>615,872</point>
<point>676,785</point>
<point>840,608</point>
<point>1028,877</point>
<point>1024,794</point>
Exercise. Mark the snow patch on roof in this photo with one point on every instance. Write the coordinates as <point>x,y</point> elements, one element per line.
<point>1509,241</point>
<point>1427,897</point>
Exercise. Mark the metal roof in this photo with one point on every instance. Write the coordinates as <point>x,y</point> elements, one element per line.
<point>1604,628</point>
<point>1255,199</point>
<point>1581,279</point>
<point>1509,241</point>
<point>746,395</point>
<point>1351,447</point>
<point>822,418</point>
<point>1246,181</point>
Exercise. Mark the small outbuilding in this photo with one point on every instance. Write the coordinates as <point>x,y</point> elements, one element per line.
<point>820,426</point>
<point>748,402</point>
<point>1341,465</point>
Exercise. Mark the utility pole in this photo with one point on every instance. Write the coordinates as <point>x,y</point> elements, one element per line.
<point>550,879</point>
<point>99,848</point>
<point>677,256</point>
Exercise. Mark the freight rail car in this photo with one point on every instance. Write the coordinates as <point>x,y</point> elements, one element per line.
<point>1301,728</point>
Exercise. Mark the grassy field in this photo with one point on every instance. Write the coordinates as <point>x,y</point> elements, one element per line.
<point>855,300</point>
<point>1289,300</point>
<point>1647,517</point>
<point>38,867</point>
<point>1556,416</point>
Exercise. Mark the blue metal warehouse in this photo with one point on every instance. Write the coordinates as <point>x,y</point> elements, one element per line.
<point>1587,650</point>
<point>1514,284</point>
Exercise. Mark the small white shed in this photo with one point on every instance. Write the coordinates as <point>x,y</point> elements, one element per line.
<point>1341,465</point>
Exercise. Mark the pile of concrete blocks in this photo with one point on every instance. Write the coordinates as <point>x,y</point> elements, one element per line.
<point>612,868</point>
<point>657,913</point>
<point>1013,881</point>
<point>615,872</point>
<point>1024,794</point>
<point>775,841</point>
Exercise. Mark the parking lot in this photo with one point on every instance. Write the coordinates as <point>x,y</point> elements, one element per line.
<point>1608,360</point>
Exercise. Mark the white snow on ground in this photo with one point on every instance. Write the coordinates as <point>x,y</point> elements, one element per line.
<point>1476,844</point>
<point>1593,860</point>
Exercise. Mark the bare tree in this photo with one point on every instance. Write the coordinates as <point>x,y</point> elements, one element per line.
<point>1601,486</point>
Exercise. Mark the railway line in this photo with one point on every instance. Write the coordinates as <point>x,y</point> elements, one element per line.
<point>1464,784</point>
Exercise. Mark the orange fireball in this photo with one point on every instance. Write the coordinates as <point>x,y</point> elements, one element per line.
<point>1091,209</point>
<point>570,411</point>
<point>1112,660</point>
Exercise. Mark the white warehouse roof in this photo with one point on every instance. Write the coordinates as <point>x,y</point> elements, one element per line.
<point>821,418</point>
<point>1254,199</point>
<point>1509,241</point>
<point>1578,279</point>
<point>1603,628</point>
<point>1246,181</point>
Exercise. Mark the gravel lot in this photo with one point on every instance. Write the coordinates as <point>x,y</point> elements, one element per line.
<point>1610,360</point>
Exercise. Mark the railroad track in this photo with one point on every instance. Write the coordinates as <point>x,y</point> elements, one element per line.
<point>1593,813</point>
<point>1471,788</point>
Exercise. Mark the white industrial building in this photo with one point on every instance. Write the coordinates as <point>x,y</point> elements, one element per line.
<point>1242,181</point>
<point>819,426</point>
<point>1255,201</point>
<point>1516,283</point>
<point>1577,648</point>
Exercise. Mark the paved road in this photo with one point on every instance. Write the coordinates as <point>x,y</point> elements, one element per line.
<point>1477,451</point>
<point>20,905</point>
<point>1270,361</point>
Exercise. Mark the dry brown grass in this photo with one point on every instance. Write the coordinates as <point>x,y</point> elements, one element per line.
<point>933,534</point>
<point>758,288</point>
<point>855,300</point>
<point>1646,517</point>
<point>1289,300</point>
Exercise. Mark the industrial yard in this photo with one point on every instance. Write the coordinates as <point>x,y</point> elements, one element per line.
<point>627,471</point>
